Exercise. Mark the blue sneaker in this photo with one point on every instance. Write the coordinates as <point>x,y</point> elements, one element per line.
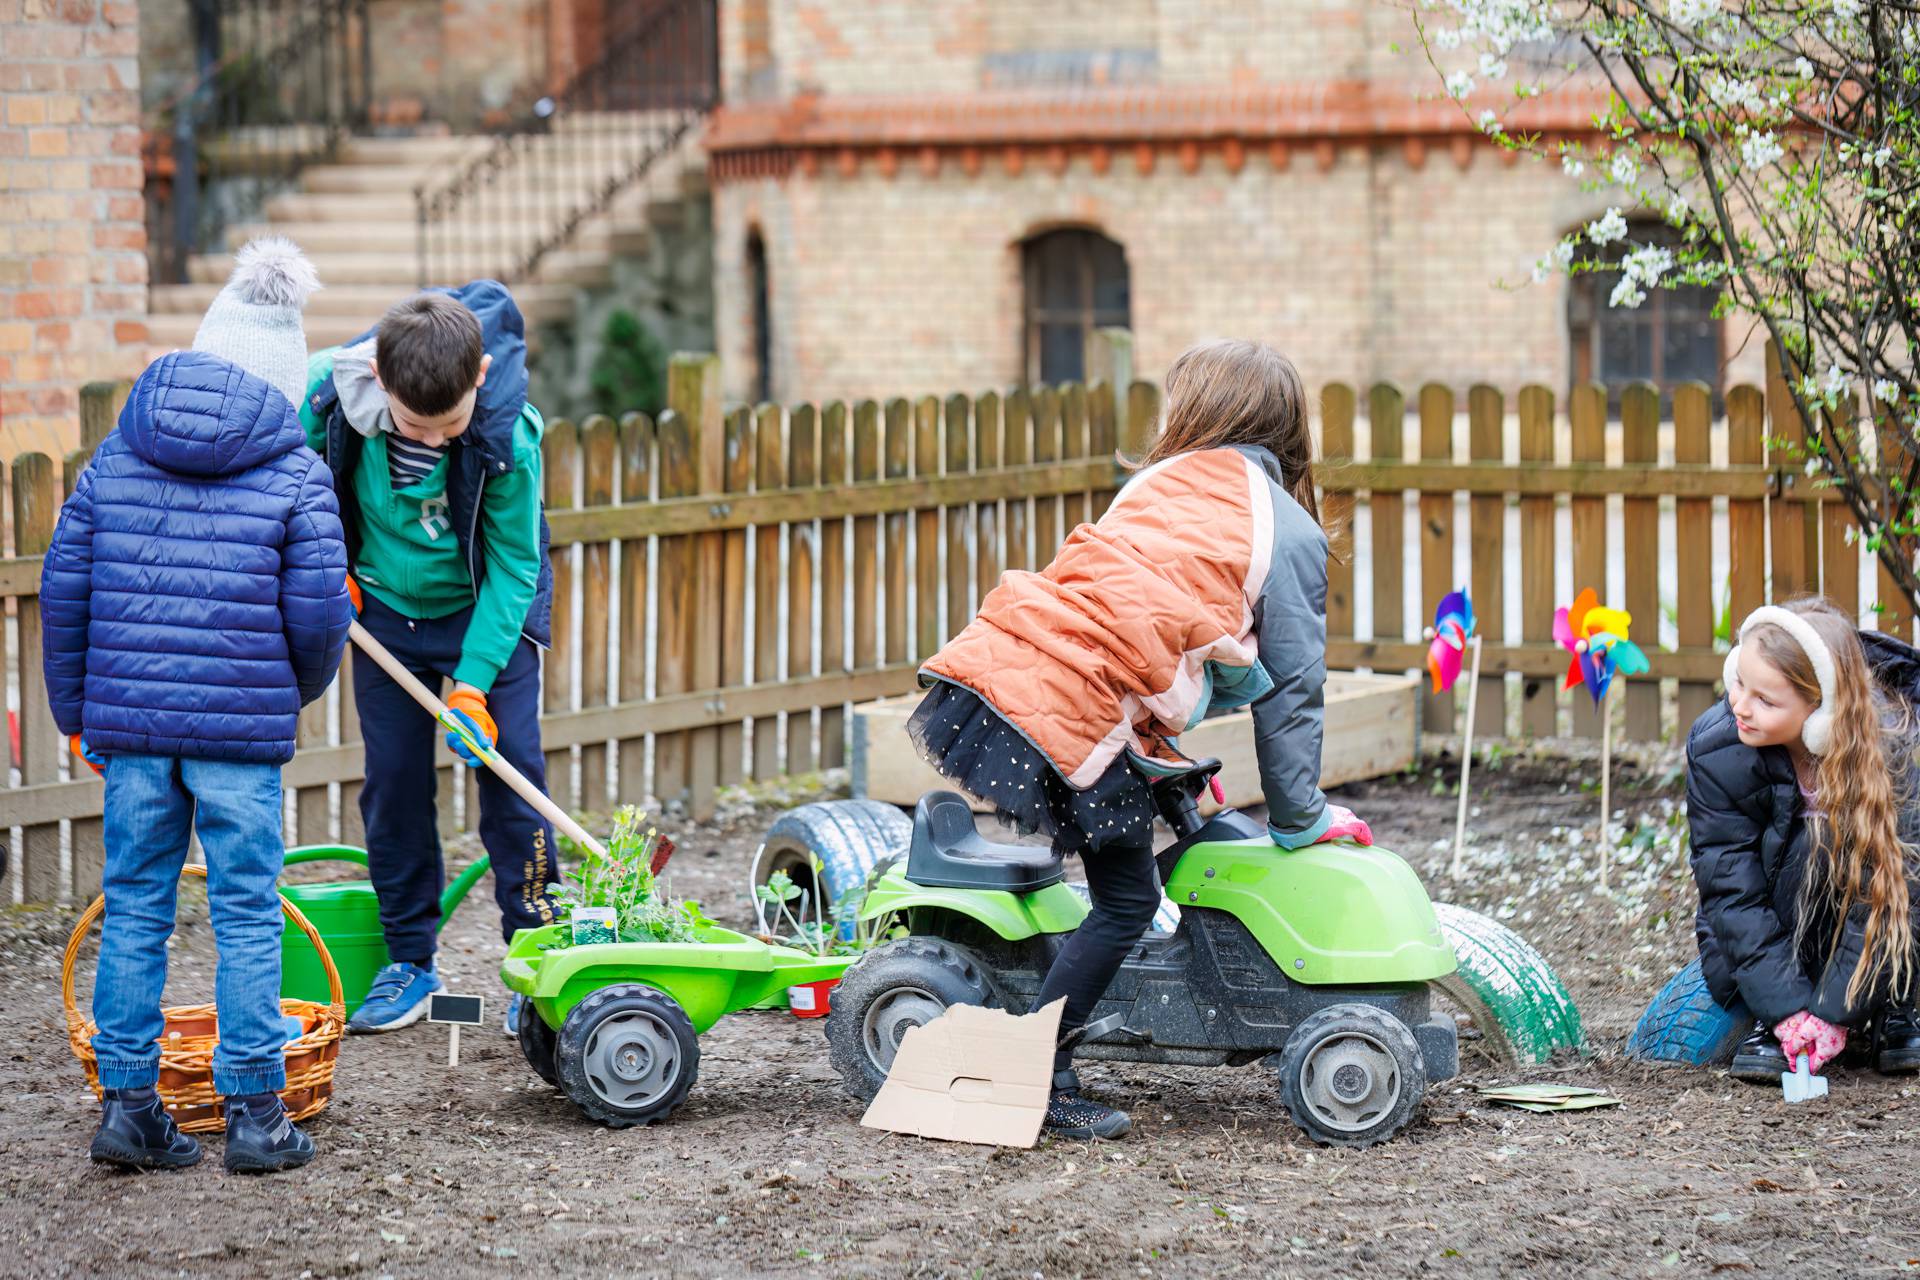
<point>516,1005</point>
<point>397,999</point>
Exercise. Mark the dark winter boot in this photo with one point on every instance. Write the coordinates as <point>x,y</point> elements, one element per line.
<point>1896,1041</point>
<point>1760,1057</point>
<point>137,1133</point>
<point>260,1138</point>
<point>1071,1116</point>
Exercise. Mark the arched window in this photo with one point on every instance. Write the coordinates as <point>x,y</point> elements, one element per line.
<point>1076,282</point>
<point>1670,338</point>
<point>762,321</point>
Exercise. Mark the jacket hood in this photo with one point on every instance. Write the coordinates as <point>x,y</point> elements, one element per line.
<point>199,415</point>
<point>362,399</point>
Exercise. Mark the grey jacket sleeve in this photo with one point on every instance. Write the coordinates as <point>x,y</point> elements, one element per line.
<point>1290,622</point>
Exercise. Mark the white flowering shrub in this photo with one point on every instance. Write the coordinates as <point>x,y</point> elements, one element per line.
<point>1781,140</point>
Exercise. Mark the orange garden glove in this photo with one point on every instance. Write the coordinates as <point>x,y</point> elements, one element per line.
<point>353,594</point>
<point>470,706</point>
<point>95,761</point>
<point>1819,1039</point>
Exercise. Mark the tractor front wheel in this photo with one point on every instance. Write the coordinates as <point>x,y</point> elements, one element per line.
<point>1351,1075</point>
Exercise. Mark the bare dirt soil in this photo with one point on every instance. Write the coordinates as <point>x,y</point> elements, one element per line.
<point>484,1170</point>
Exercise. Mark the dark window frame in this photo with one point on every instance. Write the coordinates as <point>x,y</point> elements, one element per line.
<point>1588,314</point>
<point>1082,253</point>
<point>760,315</point>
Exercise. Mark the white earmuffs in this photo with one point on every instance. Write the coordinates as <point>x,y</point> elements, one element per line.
<point>1817,733</point>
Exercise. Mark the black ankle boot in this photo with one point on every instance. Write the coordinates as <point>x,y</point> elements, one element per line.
<point>1071,1116</point>
<point>137,1133</point>
<point>260,1138</point>
<point>1759,1057</point>
<point>1896,1041</point>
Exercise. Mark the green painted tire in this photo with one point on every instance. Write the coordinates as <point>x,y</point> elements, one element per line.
<point>1520,1007</point>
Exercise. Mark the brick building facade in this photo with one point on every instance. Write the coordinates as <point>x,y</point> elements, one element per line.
<point>73,267</point>
<point>886,175</point>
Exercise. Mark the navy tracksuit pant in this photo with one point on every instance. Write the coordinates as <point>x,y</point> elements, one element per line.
<point>397,798</point>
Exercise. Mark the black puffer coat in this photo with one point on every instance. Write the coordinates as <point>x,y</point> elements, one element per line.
<point>1751,842</point>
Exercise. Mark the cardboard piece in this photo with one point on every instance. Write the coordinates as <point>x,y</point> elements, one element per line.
<point>971,1075</point>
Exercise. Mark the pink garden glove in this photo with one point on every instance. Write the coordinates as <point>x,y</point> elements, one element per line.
<point>1345,827</point>
<point>1819,1039</point>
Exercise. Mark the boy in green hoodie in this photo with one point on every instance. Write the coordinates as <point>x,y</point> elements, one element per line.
<point>436,461</point>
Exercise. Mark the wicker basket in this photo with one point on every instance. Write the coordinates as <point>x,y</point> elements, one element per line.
<point>186,1047</point>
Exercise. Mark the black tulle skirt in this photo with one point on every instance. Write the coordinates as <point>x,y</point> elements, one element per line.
<point>968,742</point>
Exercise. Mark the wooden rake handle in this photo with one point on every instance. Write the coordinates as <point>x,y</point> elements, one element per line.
<point>489,756</point>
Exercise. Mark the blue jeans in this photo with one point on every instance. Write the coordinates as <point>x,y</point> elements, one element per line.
<point>153,805</point>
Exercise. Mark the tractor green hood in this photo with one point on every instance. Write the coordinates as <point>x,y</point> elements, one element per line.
<point>1329,913</point>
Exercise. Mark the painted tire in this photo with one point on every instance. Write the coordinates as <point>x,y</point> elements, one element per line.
<point>849,837</point>
<point>1520,1007</point>
<point>1683,1024</point>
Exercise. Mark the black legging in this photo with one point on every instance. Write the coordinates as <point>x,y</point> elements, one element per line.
<point>1126,892</point>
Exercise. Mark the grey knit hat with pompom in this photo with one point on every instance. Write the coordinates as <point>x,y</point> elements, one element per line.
<point>255,320</point>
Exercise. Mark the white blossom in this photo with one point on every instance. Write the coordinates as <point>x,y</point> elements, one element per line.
<point>1803,68</point>
<point>1646,265</point>
<point>1563,252</point>
<point>1490,122</point>
<point>1678,208</point>
<point>1572,165</point>
<point>1809,389</point>
<point>1758,150</point>
<point>1688,14</point>
<point>1446,38</point>
<point>1493,68</point>
<point>1729,92</point>
<point>1459,84</point>
<point>1886,390</point>
<point>1836,381</point>
<point>1543,269</point>
<point>1846,10</point>
<point>1624,170</point>
<point>1606,230</point>
<point>1627,294</point>
<point>1880,157</point>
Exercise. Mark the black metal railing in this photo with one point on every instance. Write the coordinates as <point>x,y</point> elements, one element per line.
<point>528,192</point>
<point>280,86</point>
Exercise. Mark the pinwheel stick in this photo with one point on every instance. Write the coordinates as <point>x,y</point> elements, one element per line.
<point>1606,791</point>
<point>1466,764</point>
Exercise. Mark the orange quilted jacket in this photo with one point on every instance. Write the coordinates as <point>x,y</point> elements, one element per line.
<point>1203,587</point>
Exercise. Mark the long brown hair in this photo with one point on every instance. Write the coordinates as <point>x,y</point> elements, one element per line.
<point>1229,392</point>
<point>1858,855</point>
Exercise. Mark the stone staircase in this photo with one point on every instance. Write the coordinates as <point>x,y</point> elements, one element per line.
<point>355,219</point>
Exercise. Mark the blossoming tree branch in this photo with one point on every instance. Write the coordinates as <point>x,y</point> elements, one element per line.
<point>1779,141</point>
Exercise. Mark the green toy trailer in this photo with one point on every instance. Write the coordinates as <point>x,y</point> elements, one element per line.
<point>615,1025</point>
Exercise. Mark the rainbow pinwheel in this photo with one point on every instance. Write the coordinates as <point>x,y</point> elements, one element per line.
<point>1452,628</point>
<point>1596,636</point>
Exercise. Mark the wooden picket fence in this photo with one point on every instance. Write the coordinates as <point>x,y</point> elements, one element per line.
<point>730,579</point>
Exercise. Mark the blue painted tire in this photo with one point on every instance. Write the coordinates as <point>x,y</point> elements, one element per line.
<point>1683,1024</point>
<point>850,838</point>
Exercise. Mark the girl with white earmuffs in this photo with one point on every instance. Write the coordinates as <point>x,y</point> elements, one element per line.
<point>1799,802</point>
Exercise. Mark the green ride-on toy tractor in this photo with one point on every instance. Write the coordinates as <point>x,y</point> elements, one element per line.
<point>1315,961</point>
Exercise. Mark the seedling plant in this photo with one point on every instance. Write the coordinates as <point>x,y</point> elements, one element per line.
<point>624,881</point>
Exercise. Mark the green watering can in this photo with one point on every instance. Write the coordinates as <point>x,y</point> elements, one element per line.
<point>347,916</point>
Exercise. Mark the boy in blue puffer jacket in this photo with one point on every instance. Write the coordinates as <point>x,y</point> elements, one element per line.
<point>193,600</point>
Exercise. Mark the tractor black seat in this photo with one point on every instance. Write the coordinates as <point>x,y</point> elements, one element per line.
<point>948,852</point>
